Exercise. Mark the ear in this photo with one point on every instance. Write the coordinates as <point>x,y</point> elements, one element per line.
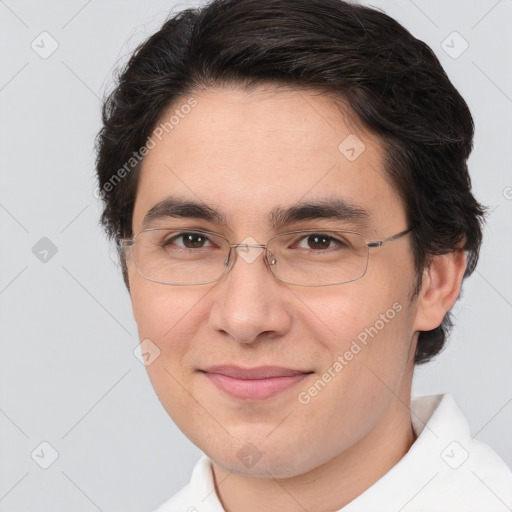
<point>440,288</point>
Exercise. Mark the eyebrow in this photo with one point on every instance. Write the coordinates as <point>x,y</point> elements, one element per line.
<point>179,208</point>
<point>331,208</point>
<point>334,208</point>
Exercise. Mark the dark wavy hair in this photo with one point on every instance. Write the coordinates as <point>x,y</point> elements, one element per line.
<point>392,82</point>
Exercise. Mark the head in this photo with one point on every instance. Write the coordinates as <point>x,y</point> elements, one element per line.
<point>258,118</point>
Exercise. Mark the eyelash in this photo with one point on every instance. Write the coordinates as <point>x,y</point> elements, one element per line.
<point>171,240</point>
<point>329,238</point>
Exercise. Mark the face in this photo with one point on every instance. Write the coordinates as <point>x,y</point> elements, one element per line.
<point>251,368</point>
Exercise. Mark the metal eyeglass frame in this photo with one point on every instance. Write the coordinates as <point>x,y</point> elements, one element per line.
<point>124,243</point>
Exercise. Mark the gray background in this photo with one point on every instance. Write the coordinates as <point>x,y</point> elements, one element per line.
<point>68,375</point>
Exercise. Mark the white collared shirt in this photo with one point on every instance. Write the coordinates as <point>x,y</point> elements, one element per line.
<point>445,470</point>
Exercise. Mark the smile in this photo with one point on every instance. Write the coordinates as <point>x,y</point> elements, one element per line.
<point>258,383</point>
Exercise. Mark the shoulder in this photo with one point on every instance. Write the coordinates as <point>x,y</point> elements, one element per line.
<point>465,472</point>
<point>445,470</point>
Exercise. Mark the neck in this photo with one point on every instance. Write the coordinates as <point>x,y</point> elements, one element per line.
<point>330,486</point>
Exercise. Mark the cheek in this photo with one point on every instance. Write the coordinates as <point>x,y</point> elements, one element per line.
<point>157,308</point>
<point>365,329</point>
<point>368,354</point>
<point>168,316</point>
<point>341,314</point>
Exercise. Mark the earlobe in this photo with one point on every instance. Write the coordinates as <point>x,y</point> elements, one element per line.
<point>441,284</point>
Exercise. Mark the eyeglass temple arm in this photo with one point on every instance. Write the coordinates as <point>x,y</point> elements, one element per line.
<point>125,242</point>
<point>379,243</point>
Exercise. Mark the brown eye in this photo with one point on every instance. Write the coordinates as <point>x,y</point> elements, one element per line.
<point>319,242</point>
<point>185,240</point>
<point>193,240</point>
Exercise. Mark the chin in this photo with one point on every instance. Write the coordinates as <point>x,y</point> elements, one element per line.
<point>261,458</point>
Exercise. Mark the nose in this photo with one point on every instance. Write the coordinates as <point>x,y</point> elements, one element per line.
<point>249,303</point>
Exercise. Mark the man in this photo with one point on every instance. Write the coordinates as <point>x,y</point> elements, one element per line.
<point>287,183</point>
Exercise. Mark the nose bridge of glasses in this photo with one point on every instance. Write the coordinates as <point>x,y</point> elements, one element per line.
<point>256,246</point>
<point>249,252</point>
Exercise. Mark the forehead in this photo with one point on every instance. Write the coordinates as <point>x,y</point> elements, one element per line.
<point>248,152</point>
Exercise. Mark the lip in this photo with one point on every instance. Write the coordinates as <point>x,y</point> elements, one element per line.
<point>258,383</point>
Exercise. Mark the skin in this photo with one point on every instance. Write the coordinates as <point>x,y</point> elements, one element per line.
<point>244,153</point>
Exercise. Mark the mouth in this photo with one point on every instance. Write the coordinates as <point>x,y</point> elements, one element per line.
<point>259,383</point>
